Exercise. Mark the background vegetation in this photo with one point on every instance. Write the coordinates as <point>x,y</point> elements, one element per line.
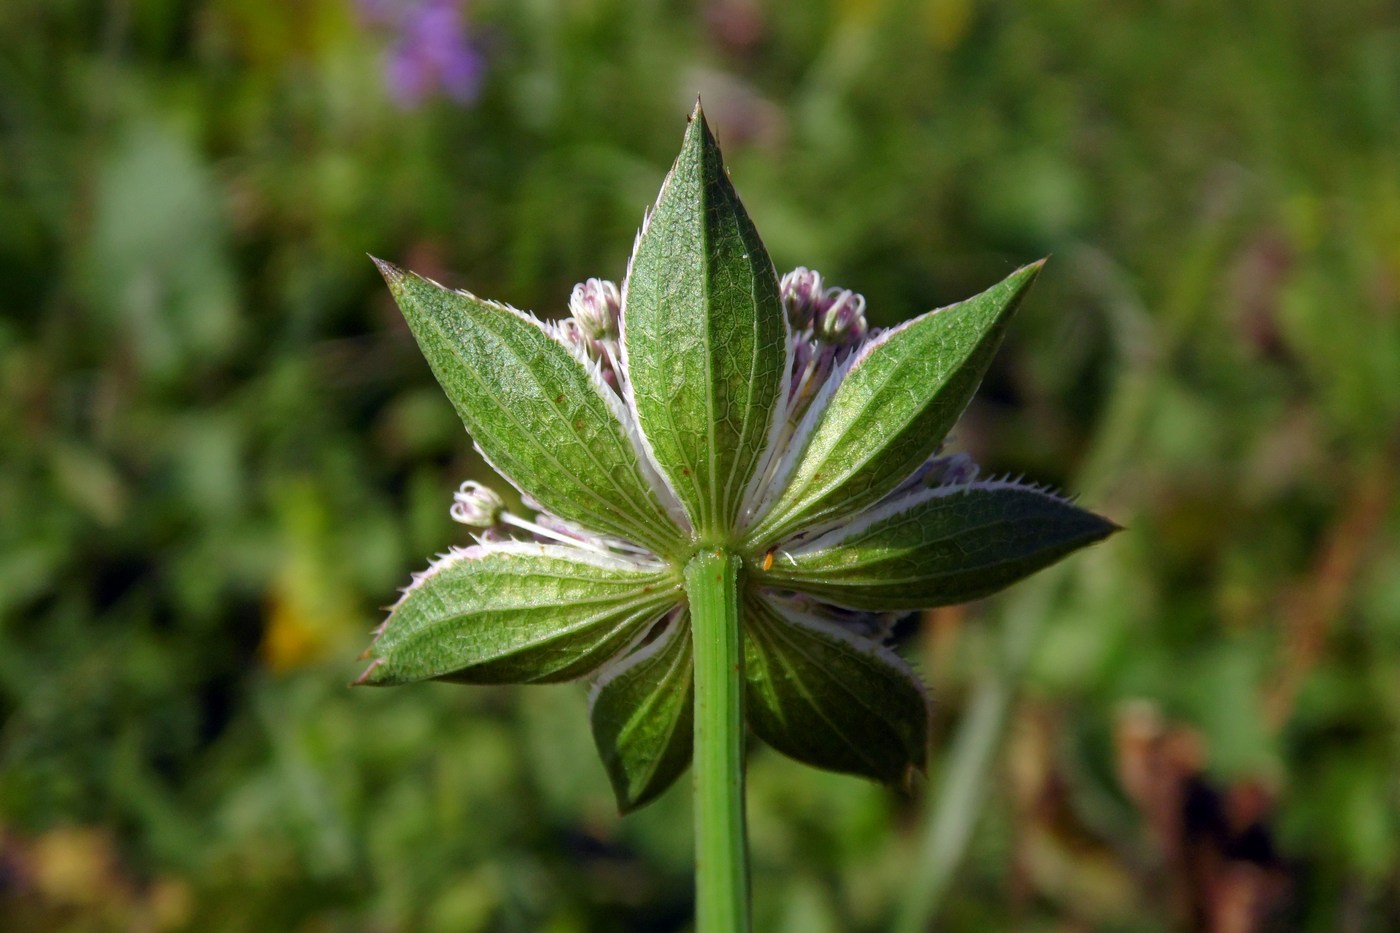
<point>220,451</point>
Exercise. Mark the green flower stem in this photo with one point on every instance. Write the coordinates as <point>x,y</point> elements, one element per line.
<point>721,843</point>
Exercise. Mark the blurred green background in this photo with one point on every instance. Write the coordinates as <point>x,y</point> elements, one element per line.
<point>220,451</point>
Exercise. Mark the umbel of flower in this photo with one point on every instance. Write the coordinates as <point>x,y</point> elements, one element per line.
<point>708,409</point>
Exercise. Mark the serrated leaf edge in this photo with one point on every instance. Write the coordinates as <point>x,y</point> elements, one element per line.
<point>857,525</point>
<point>481,549</point>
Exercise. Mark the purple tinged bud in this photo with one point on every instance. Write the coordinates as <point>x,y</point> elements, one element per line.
<point>946,470</point>
<point>843,318</point>
<point>610,379</point>
<point>571,333</point>
<point>476,505</point>
<point>801,291</point>
<point>940,470</point>
<point>959,470</point>
<point>596,305</point>
<point>802,355</point>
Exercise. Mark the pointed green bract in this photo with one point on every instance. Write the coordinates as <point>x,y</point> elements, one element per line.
<point>938,547</point>
<point>534,411</point>
<point>830,698</point>
<point>704,336</point>
<point>517,613</point>
<point>892,410</point>
<point>642,713</point>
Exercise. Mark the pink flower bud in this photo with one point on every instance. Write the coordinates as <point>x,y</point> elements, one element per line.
<point>801,290</point>
<point>596,305</point>
<point>843,318</point>
<point>476,505</point>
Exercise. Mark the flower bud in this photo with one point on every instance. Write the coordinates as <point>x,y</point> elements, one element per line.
<point>494,535</point>
<point>843,318</point>
<point>801,290</point>
<point>596,305</point>
<point>476,505</point>
<point>802,355</point>
<point>951,470</point>
<point>941,470</point>
<point>961,469</point>
<point>571,333</point>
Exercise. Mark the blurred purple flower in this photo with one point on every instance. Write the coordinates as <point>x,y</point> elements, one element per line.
<point>432,51</point>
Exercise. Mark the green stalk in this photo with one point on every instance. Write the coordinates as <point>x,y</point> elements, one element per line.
<point>721,842</point>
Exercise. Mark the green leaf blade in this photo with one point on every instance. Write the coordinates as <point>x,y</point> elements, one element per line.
<point>642,713</point>
<point>829,698</point>
<point>939,547</point>
<point>534,411</point>
<point>517,612</point>
<point>704,336</point>
<point>891,411</point>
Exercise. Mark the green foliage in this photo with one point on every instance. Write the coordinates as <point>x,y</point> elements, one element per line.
<point>831,699</point>
<point>892,411</point>
<point>533,410</point>
<point>703,335</point>
<point>518,613</point>
<point>706,391</point>
<point>641,710</point>
<point>220,448</point>
<point>938,546</point>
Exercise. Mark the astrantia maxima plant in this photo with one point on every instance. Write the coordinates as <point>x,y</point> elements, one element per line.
<point>739,485</point>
